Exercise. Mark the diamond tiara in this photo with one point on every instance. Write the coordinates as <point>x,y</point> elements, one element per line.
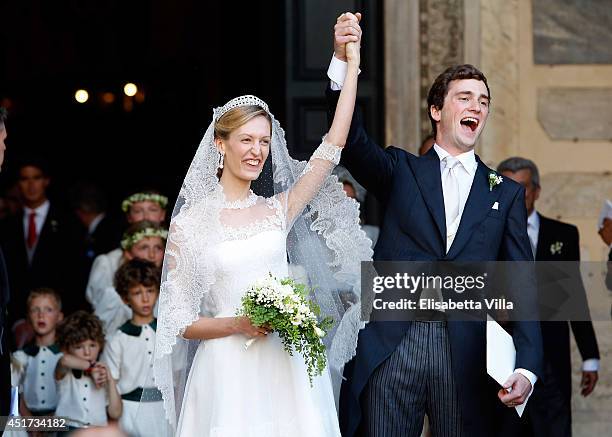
<point>246,100</point>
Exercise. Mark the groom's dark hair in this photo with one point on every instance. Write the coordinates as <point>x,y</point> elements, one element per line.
<point>439,89</point>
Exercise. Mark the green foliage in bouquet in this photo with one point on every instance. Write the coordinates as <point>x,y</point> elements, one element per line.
<point>284,307</point>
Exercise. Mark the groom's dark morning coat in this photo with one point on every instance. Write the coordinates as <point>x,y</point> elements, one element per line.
<point>414,229</point>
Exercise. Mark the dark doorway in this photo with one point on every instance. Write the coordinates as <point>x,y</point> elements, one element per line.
<point>185,57</point>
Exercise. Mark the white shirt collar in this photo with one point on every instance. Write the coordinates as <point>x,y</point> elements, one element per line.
<point>40,211</point>
<point>534,219</point>
<point>95,222</point>
<point>467,159</point>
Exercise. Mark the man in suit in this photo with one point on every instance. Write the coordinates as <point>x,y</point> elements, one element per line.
<point>100,232</point>
<point>549,411</point>
<point>438,207</point>
<point>40,247</point>
<point>5,373</point>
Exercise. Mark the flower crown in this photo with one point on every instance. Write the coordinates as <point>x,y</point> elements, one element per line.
<point>144,197</point>
<point>246,100</point>
<point>130,240</point>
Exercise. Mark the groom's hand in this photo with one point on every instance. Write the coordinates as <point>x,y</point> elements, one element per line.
<point>346,30</point>
<point>515,390</point>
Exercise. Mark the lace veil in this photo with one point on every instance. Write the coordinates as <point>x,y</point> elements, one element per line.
<point>324,238</point>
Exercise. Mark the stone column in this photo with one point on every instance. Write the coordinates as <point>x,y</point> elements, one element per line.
<point>422,38</point>
<point>441,30</point>
<point>499,61</point>
<point>402,73</point>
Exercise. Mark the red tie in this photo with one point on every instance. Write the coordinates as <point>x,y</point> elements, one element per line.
<point>32,230</point>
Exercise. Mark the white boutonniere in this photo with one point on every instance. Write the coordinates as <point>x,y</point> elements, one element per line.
<point>556,247</point>
<point>494,179</point>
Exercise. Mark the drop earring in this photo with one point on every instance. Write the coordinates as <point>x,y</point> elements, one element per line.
<point>221,159</point>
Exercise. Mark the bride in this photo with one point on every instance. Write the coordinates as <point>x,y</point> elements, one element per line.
<point>222,238</point>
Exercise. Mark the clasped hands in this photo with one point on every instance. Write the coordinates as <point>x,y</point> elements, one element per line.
<point>347,38</point>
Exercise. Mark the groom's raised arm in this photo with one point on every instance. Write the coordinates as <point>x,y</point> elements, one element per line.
<point>371,165</point>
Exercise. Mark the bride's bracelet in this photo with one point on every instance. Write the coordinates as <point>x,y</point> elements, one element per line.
<point>328,152</point>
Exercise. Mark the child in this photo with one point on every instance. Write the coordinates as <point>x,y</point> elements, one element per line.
<point>129,353</point>
<point>35,363</point>
<point>86,392</point>
<point>144,240</point>
<point>148,206</point>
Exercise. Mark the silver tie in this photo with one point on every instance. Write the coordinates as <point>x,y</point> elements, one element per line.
<point>531,233</point>
<point>450,190</point>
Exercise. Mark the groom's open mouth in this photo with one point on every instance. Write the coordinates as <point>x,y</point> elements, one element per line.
<point>470,123</point>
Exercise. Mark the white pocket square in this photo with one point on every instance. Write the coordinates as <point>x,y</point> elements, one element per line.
<point>495,206</point>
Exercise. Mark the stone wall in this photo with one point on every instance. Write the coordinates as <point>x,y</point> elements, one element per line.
<point>559,116</point>
<point>441,26</point>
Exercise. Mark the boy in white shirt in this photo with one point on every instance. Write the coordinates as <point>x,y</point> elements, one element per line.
<point>129,353</point>
<point>34,365</point>
<point>149,206</point>
<point>144,240</point>
<point>86,392</point>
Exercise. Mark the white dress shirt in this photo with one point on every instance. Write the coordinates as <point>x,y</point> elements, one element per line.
<point>94,223</point>
<point>101,293</point>
<point>533,230</point>
<point>36,378</point>
<point>101,275</point>
<point>464,171</point>
<point>129,356</point>
<point>336,74</point>
<point>80,400</point>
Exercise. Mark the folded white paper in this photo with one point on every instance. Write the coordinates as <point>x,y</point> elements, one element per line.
<point>501,356</point>
<point>14,408</point>
<point>606,212</point>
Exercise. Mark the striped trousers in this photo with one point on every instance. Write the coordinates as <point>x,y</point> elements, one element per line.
<point>415,380</point>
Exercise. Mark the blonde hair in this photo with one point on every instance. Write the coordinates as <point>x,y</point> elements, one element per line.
<point>236,117</point>
<point>44,291</point>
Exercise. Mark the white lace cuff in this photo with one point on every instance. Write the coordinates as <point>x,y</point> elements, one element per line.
<point>328,152</point>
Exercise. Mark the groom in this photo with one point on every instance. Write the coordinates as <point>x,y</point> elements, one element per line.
<point>437,207</point>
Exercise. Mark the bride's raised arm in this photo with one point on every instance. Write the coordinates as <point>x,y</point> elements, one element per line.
<point>327,155</point>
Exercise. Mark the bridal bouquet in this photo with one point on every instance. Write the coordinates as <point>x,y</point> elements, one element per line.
<point>284,307</point>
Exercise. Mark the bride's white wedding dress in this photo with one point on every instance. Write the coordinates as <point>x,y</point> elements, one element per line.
<point>215,250</point>
<point>261,391</point>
